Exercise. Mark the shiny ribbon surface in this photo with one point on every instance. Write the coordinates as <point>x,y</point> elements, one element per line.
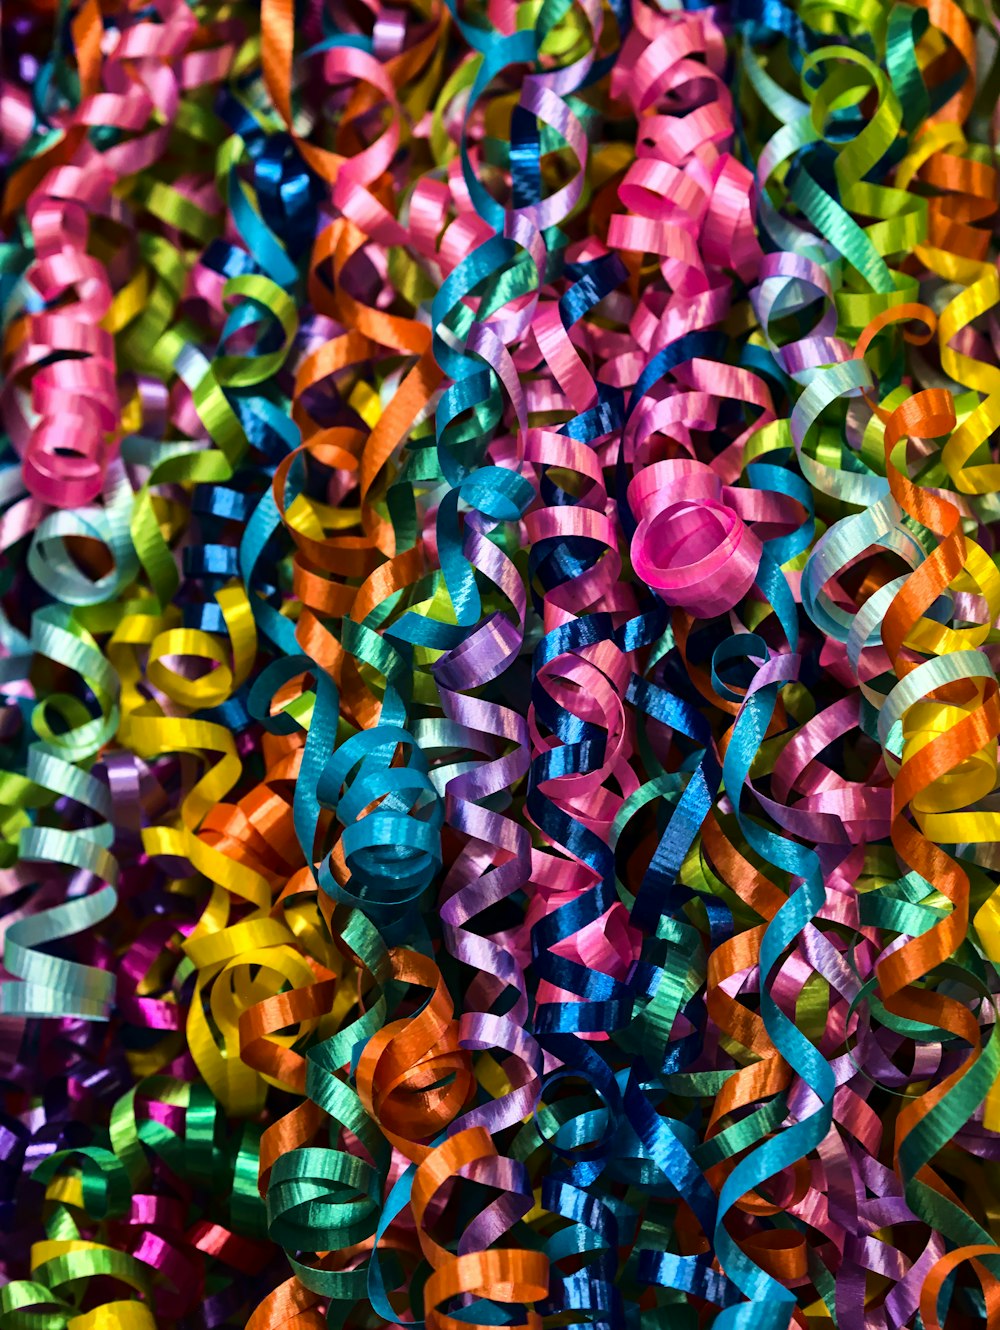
<point>499,630</point>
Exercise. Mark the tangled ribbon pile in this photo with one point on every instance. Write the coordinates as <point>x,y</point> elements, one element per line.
<point>499,630</point>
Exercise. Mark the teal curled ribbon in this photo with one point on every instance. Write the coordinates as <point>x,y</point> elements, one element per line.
<point>45,985</point>
<point>771,1303</point>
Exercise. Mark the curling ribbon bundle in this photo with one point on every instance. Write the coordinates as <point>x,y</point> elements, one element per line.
<point>499,622</point>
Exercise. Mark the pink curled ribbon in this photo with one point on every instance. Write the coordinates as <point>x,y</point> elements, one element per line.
<point>693,545</point>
